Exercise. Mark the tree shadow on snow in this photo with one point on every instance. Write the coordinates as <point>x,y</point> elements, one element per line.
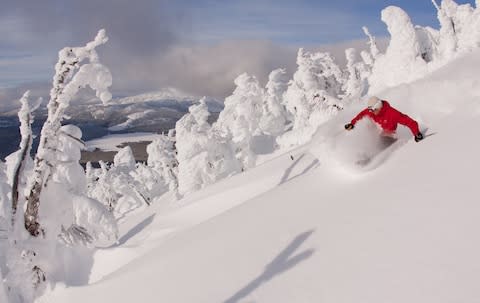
<point>135,230</point>
<point>280,264</point>
<point>286,176</point>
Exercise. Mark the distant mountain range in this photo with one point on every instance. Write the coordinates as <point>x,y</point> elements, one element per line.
<point>150,112</point>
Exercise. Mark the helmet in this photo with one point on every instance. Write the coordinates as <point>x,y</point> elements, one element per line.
<point>374,103</point>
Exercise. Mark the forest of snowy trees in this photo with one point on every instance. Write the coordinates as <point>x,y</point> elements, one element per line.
<point>53,212</point>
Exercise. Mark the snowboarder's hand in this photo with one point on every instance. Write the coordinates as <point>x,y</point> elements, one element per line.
<point>349,126</point>
<point>418,137</point>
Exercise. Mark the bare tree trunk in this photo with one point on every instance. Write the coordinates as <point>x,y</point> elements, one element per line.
<point>26,118</point>
<point>16,178</point>
<point>47,144</point>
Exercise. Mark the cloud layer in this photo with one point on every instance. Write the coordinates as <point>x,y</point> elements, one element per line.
<point>196,46</point>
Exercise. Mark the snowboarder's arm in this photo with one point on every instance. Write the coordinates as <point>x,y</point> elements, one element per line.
<point>409,122</point>
<point>360,115</point>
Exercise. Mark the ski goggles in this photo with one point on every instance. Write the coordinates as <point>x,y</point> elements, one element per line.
<point>375,106</point>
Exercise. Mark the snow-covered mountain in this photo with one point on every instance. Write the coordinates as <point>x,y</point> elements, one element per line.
<point>150,112</point>
<point>308,226</point>
<point>156,111</point>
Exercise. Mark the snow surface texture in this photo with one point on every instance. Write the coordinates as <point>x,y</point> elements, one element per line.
<point>303,230</point>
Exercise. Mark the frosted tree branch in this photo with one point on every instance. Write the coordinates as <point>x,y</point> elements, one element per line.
<point>373,44</point>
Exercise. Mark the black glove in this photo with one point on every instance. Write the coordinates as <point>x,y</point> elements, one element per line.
<point>349,126</point>
<point>418,137</point>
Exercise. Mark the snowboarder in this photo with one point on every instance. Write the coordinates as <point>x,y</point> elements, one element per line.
<point>387,117</point>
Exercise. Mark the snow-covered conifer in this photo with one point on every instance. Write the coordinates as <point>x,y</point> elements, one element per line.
<point>203,156</point>
<point>192,141</point>
<point>402,61</point>
<point>162,158</point>
<point>459,28</point>
<point>240,119</point>
<point>100,187</point>
<point>448,32</point>
<point>124,159</point>
<point>313,95</point>
<point>120,187</point>
<point>427,39</point>
<point>81,219</point>
<point>274,117</point>
<point>356,83</point>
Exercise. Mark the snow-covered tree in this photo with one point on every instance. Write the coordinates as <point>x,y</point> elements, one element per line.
<point>69,216</point>
<point>163,159</point>
<point>356,84</point>
<point>122,186</point>
<point>314,90</point>
<point>20,161</point>
<point>11,199</point>
<point>402,61</point>
<point>274,117</point>
<point>124,159</point>
<point>370,57</point>
<point>99,185</point>
<point>427,39</point>
<point>203,156</point>
<point>131,193</point>
<point>71,74</point>
<point>54,183</point>
<point>459,28</point>
<point>240,119</point>
<point>448,32</point>
<point>192,141</point>
<point>85,220</point>
<point>313,96</point>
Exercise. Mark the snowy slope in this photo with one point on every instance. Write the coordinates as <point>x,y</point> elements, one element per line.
<point>316,229</point>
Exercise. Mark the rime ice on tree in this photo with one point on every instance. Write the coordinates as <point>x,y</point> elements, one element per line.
<point>241,117</point>
<point>274,117</point>
<point>204,156</point>
<point>162,158</point>
<point>312,96</point>
<point>402,61</point>
<point>56,207</point>
<point>70,76</point>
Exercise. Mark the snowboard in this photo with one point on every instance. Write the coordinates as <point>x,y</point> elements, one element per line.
<point>368,162</point>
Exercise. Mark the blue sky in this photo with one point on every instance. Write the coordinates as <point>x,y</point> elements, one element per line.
<point>155,43</point>
<point>304,22</point>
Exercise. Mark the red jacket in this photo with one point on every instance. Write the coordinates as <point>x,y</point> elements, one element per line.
<point>389,118</point>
